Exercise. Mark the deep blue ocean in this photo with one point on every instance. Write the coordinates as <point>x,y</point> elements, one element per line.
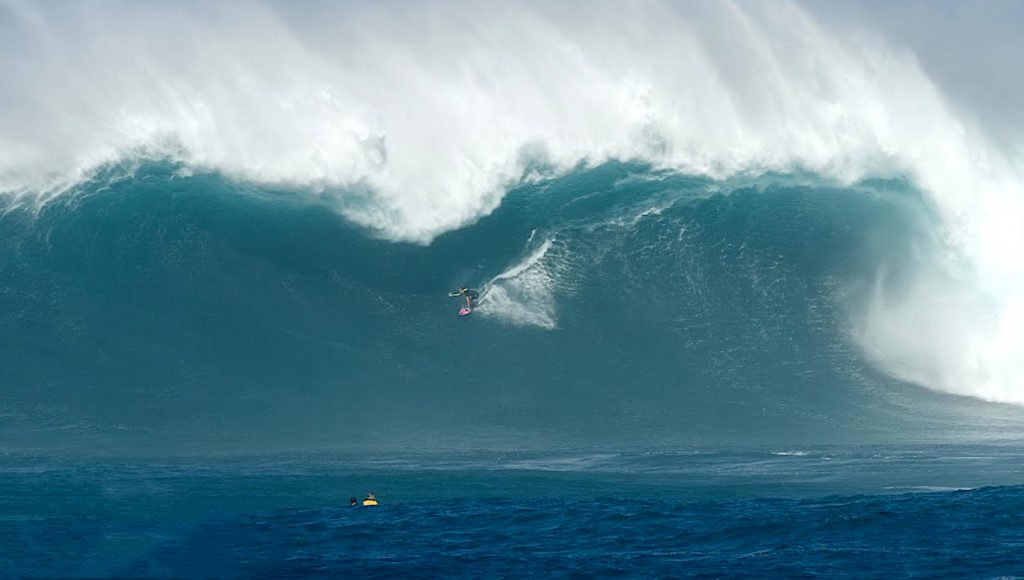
<point>846,512</point>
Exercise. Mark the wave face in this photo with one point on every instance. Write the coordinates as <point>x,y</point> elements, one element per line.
<point>175,264</point>
<point>620,306</point>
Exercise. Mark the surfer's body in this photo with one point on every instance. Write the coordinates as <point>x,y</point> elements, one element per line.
<point>469,293</point>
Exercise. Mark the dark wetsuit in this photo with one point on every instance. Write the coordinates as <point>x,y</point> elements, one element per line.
<point>468,293</point>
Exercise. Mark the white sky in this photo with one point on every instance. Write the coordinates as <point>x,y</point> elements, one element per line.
<point>974,50</point>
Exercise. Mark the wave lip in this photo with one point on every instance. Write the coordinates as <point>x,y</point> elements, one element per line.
<point>274,105</point>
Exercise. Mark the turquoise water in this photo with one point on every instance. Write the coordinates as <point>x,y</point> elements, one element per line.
<point>622,307</point>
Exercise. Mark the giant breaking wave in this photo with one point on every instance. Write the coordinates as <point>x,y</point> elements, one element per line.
<point>415,122</point>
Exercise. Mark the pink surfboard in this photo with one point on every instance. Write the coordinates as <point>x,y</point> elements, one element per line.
<point>464,311</point>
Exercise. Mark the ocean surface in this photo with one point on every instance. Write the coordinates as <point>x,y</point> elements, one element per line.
<point>751,296</point>
<point>846,512</point>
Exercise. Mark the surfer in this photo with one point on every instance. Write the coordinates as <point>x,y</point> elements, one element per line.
<point>370,499</point>
<point>469,293</point>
